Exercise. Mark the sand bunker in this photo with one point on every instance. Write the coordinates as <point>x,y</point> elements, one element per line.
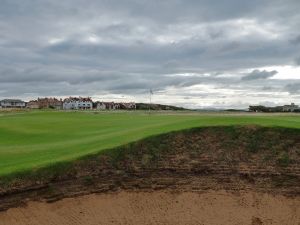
<point>160,208</point>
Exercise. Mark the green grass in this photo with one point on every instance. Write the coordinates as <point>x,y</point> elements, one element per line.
<point>36,139</point>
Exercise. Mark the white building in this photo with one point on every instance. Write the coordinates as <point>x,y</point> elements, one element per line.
<point>12,103</point>
<point>107,106</point>
<point>77,103</point>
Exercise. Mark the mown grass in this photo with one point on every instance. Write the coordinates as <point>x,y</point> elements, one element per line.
<point>32,140</point>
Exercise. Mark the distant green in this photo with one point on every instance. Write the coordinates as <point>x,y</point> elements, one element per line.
<point>36,139</point>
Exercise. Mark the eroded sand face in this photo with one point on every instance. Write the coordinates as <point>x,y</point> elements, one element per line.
<point>160,208</point>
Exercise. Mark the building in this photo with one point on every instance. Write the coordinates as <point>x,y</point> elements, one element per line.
<point>285,108</point>
<point>100,106</point>
<point>12,103</point>
<point>107,106</point>
<point>127,105</point>
<point>33,104</point>
<point>45,103</point>
<point>290,108</point>
<point>115,106</point>
<point>80,103</point>
<point>50,103</point>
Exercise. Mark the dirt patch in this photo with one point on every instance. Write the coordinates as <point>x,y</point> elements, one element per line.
<point>160,208</point>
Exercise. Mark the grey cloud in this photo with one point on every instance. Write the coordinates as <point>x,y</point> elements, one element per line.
<point>268,88</point>
<point>293,88</point>
<point>56,74</point>
<point>93,47</point>
<point>259,75</point>
<point>296,40</point>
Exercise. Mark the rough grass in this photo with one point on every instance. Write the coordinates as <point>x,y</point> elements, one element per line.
<point>32,140</point>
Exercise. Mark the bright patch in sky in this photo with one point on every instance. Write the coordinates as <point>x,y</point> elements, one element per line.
<point>285,72</point>
<point>54,41</point>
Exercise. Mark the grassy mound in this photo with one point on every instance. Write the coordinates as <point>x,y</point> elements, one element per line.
<point>233,146</point>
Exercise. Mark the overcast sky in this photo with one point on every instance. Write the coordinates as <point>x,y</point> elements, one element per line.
<point>192,53</point>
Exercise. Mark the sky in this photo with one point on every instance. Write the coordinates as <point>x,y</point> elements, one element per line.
<point>191,53</point>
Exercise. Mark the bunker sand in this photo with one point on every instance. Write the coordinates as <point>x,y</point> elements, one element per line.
<point>160,208</point>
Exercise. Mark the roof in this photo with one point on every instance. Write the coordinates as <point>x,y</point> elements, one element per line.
<point>12,100</point>
<point>71,99</point>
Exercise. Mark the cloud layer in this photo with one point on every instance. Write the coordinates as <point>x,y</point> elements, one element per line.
<point>194,53</point>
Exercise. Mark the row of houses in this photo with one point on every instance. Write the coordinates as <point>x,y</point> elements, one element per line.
<point>285,108</point>
<point>71,103</point>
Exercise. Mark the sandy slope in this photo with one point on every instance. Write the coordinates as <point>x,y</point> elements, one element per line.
<point>164,208</point>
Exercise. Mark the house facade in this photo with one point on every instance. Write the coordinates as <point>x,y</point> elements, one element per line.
<point>100,106</point>
<point>33,104</point>
<point>80,103</point>
<point>12,103</point>
<point>45,103</point>
<point>107,106</point>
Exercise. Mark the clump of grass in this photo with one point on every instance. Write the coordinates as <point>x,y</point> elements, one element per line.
<point>88,180</point>
<point>50,189</point>
<point>39,176</point>
<point>255,140</point>
<point>284,159</point>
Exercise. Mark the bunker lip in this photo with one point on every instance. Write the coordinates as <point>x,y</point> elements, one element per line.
<point>232,158</point>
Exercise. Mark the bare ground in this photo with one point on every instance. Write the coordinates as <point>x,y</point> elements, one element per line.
<point>160,208</point>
